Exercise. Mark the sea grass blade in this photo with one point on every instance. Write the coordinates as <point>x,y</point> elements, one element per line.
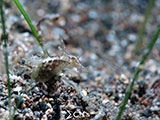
<point>138,70</point>
<point>5,39</point>
<point>143,27</point>
<point>20,7</point>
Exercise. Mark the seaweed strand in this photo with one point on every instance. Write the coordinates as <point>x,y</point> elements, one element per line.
<point>23,12</point>
<point>138,70</point>
<point>5,39</point>
<point>143,26</point>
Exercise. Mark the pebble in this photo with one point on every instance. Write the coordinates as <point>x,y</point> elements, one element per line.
<point>92,113</point>
<point>142,88</point>
<point>99,79</point>
<point>105,101</point>
<point>92,14</point>
<point>147,113</point>
<point>49,105</point>
<point>116,98</point>
<point>93,56</point>
<point>51,99</point>
<point>4,114</point>
<point>40,12</point>
<point>76,18</point>
<point>155,108</point>
<point>42,106</point>
<point>84,92</point>
<point>124,43</point>
<point>121,95</point>
<point>44,117</point>
<point>71,107</point>
<point>23,105</point>
<point>17,89</point>
<point>1,103</point>
<point>134,98</point>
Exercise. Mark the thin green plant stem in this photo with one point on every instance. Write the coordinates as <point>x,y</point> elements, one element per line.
<point>5,39</point>
<point>138,70</point>
<point>20,7</point>
<point>143,26</point>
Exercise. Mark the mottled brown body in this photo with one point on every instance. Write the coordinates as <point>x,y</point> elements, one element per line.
<point>50,68</point>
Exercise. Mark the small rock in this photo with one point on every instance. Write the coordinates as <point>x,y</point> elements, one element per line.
<point>71,107</point>
<point>49,105</point>
<point>147,113</point>
<point>92,113</point>
<point>99,79</point>
<point>155,108</point>
<point>51,99</point>
<point>84,92</point>
<point>105,101</point>
<point>42,106</point>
